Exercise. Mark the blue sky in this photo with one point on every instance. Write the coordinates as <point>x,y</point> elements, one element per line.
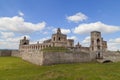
<point>38,19</point>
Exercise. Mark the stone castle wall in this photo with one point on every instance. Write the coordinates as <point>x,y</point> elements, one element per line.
<point>59,57</point>
<point>43,58</point>
<point>10,53</point>
<point>33,56</point>
<point>114,56</point>
<point>5,52</point>
<point>15,53</point>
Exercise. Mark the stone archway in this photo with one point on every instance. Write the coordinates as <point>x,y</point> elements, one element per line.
<point>107,61</point>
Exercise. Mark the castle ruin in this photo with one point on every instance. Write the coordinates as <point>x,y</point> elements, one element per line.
<point>33,52</point>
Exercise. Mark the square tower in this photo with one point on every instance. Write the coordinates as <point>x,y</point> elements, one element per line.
<point>96,41</point>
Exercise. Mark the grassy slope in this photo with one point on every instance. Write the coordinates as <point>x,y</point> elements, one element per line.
<point>55,49</point>
<point>12,68</point>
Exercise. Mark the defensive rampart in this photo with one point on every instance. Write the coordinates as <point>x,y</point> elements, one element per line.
<point>48,58</point>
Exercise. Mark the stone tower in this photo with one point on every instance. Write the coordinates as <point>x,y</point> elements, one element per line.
<point>96,41</point>
<point>24,41</point>
<point>98,45</point>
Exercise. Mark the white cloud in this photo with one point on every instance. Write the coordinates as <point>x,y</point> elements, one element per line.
<point>77,17</point>
<point>64,31</point>
<point>40,40</point>
<point>97,26</point>
<point>21,13</point>
<point>114,44</point>
<point>117,40</point>
<point>72,37</point>
<point>86,41</point>
<point>11,42</point>
<point>17,24</point>
<point>7,34</point>
<point>43,39</point>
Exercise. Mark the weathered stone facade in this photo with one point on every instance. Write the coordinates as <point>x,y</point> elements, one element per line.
<point>57,40</point>
<point>97,42</point>
<point>48,58</point>
<point>34,54</point>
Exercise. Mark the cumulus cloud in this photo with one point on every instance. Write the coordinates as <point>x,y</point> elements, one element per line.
<point>39,40</point>
<point>11,26</point>
<point>11,42</point>
<point>86,41</point>
<point>114,44</point>
<point>7,34</point>
<point>77,17</point>
<point>64,31</point>
<point>97,26</point>
<point>17,24</point>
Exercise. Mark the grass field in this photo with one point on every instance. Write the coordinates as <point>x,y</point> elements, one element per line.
<point>12,68</point>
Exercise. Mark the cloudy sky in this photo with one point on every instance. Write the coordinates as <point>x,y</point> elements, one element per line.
<point>38,19</point>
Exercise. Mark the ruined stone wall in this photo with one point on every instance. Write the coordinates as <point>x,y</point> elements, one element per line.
<point>59,57</point>
<point>33,56</point>
<point>15,53</point>
<point>43,58</point>
<point>5,52</point>
<point>10,53</point>
<point>112,55</point>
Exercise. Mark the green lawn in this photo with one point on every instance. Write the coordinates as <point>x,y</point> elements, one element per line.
<point>12,68</point>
